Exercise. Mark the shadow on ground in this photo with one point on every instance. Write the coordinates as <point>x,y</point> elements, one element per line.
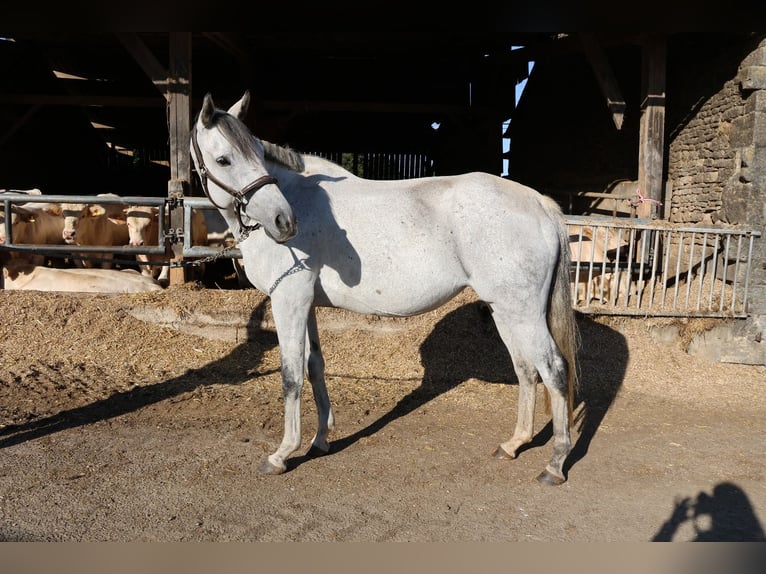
<point>464,344</point>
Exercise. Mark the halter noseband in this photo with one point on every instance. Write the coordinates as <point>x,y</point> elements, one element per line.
<point>238,195</point>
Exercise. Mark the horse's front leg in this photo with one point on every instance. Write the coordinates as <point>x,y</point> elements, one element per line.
<point>290,317</point>
<point>315,370</point>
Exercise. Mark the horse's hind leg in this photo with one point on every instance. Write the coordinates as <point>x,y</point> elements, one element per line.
<point>525,421</point>
<point>315,371</point>
<point>534,352</point>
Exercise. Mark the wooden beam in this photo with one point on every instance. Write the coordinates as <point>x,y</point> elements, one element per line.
<point>296,106</point>
<point>598,61</point>
<point>18,124</point>
<point>178,96</point>
<point>146,59</point>
<point>79,100</point>
<point>651,152</point>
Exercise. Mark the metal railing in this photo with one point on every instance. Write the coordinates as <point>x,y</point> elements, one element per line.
<point>163,204</point>
<point>629,266</point>
<point>621,265</point>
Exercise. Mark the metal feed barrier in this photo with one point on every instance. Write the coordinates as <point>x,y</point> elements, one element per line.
<point>621,265</point>
<point>629,266</point>
<point>163,204</point>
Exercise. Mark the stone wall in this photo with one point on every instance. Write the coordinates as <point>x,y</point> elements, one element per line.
<point>717,169</point>
<point>713,142</point>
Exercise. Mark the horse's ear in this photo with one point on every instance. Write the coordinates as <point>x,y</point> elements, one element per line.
<point>208,108</point>
<point>239,110</point>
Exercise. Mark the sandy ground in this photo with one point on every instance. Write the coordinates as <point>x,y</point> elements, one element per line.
<point>116,429</point>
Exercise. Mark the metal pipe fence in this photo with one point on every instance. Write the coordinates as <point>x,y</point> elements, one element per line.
<point>630,266</point>
<point>620,265</point>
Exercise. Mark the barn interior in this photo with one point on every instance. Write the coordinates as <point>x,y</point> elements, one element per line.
<point>87,113</point>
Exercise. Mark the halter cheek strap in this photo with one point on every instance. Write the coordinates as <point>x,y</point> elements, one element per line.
<point>240,196</point>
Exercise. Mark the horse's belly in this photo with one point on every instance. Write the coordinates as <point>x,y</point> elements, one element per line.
<point>391,297</point>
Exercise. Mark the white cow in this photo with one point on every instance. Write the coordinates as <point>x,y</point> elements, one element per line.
<point>86,224</point>
<point>23,276</point>
<point>33,223</point>
<point>143,224</point>
<point>592,246</point>
<point>218,232</point>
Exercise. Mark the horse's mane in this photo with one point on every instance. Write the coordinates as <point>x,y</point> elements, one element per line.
<point>241,137</point>
<point>235,131</point>
<point>284,156</point>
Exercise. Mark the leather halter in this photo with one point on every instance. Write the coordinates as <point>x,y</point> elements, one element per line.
<point>240,196</point>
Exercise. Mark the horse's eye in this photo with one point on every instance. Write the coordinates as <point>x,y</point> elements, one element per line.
<point>221,160</point>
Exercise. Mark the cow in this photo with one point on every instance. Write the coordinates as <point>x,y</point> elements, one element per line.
<point>24,276</point>
<point>593,246</point>
<point>88,224</point>
<point>32,223</point>
<point>218,232</point>
<point>143,224</point>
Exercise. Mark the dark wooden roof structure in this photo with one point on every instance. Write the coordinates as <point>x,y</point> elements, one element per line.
<point>71,101</point>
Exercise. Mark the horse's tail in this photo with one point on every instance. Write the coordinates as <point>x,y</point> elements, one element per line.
<point>561,317</point>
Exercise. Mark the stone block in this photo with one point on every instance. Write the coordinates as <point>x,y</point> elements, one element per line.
<point>756,102</point>
<point>757,57</point>
<point>748,130</point>
<point>752,77</point>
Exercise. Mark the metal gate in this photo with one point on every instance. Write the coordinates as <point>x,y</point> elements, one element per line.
<point>629,266</point>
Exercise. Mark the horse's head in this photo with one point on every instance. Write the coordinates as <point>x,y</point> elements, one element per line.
<point>230,164</point>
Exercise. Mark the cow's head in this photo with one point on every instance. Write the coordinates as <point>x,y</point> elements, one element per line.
<point>74,214</point>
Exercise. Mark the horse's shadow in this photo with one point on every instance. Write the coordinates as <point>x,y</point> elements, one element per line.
<point>464,344</point>
<point>233,369</point>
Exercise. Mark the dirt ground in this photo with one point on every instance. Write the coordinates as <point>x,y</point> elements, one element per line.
<point>118,429</point>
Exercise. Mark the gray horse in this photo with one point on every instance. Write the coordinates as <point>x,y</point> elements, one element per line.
<point>313,234</point>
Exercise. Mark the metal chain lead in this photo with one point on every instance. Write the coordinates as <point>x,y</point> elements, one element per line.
<point>244,233</point>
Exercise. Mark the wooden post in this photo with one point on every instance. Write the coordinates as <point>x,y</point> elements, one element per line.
<point>652,128</point>
<point>606,79</point>
<point>179,125</point>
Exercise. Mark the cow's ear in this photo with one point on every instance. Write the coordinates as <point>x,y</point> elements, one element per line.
<point>25,215</point>
<point>96,210</point>
<point>11,273</point>
<point>53,209</point>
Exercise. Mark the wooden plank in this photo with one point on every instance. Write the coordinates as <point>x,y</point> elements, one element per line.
<point>606,79</point>
<point>146,59</point>
<point>652,125</point>
<point>179,123</point>
<point>80,100</point>
<point>18,124</point>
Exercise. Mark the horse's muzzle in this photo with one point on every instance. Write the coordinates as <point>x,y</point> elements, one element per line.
<point>286,228</point>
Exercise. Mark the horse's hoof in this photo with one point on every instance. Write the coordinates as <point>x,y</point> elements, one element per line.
<point>503,454</point>
<point>315,452</point>
<point>266,467</point>
<point>549,479</point>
